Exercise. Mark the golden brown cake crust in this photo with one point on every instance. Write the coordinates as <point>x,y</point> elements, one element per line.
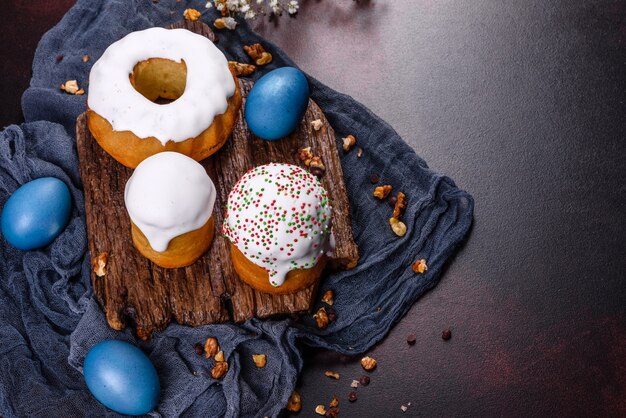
<point>130,150</point>
<point>182,251</point>
<point>258,278</point>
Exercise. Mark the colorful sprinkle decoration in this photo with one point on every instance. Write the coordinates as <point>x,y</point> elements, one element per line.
<point>279,216</point>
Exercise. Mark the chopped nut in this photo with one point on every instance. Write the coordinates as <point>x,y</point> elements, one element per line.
<point>364,380</point>
<point>99,262</point>
<point>352,396</point>
<point>219,370</point>
<point>359,152</point>
<point>332,413</point>
<point>398,227</point>
<point>330,374</point>
<point>294,404</point>
<point>258,54</point>
<point>317,167</point>
<point>400,205</point>
<point>328,298</point>
<point>382,192</point>
<point>219,356</point>
<point>403,408</point>
<point>321,318</point>
<point>211,347</point>
<point>320,410</point>
<point>259,360</point>
<point>368,363</point>
<point>348,142</point>
<point>334,402</point>
<point>86,58</point>
<point>305,155</point>
<point>354,384</point>
<point>317,124</point>
<point>420,266</point>
<point>70,87</point>
<point>225,23</point>
<point>191,15</point>
<point>241,69</point>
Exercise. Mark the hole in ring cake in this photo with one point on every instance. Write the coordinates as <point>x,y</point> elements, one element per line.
<point>173,64</point>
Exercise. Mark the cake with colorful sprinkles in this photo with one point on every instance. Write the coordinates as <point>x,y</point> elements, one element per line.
<point>278,221</point>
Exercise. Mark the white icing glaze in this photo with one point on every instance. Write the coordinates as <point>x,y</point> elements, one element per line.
<point>209,85</point>
<point>279,217</point>
<point>169,194</point>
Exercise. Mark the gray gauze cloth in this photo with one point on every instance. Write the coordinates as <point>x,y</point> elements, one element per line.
<point>49,318</point>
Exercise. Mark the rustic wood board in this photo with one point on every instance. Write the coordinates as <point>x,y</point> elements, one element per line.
<point>136,292</point>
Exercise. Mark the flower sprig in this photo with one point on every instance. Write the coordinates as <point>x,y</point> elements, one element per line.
<point>250,9</point>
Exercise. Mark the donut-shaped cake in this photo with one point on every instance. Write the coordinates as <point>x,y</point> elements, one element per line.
<point>157,63</point>
<point>170,199</point>
<point>278,221</point>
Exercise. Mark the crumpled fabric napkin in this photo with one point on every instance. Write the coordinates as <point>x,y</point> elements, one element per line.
<point>49,319</point>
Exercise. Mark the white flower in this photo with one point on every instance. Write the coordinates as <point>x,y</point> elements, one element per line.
<point>273,3</point>
<point>250,14</point>
<point>230,23</point>
<point>293,7</point>
<point>259,1</point>
<point>244,8</point>
<point>208,4</point>
<point>232,4</point>
<point>219,6</point>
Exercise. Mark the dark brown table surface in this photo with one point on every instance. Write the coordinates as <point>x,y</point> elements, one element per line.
<point>523,104</point>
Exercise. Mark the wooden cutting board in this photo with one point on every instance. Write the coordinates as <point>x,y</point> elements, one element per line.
<point>135,292</point>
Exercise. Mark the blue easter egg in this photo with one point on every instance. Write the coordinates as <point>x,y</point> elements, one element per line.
<point>36,213</point>
<point>121,377</point>
<point>276,103</point>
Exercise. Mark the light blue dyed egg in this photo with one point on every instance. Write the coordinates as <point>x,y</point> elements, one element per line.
<point>121,377</point>
<point>36,213</point>
<point>276,103</point>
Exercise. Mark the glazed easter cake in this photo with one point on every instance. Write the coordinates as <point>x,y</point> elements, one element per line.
<point>158,63</point>
<point>278,221</point>
<point>170,201</point>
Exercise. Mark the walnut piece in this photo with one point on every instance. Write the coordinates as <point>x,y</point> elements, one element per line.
<point>241,69</point>
<point>382,192</point>
<point>420,266</point>
<point>294,404</point>
<point>99,262</point>
<point>305,155</point>
<point>348,142</point>
<point>398,209</point>
<point>368,363</point>
<point>354,384</point>
<point>397,226</point>
<point>219,356</point>
<point>191,15</point>
<point>317,167</point>
<point>328,298</point>
<point>260,360</point>
<point>320,410</point>
<point>317,124</point>
<point>219,370</point>
<point>333,375</point>
<point>71,87</point>
<point>334,402</point>
<point>359,152</point>
<point>258,54</point>
<point>211,347</point>
<point>225,23</point>
<point>86,58</point>
<point>321,318</point>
